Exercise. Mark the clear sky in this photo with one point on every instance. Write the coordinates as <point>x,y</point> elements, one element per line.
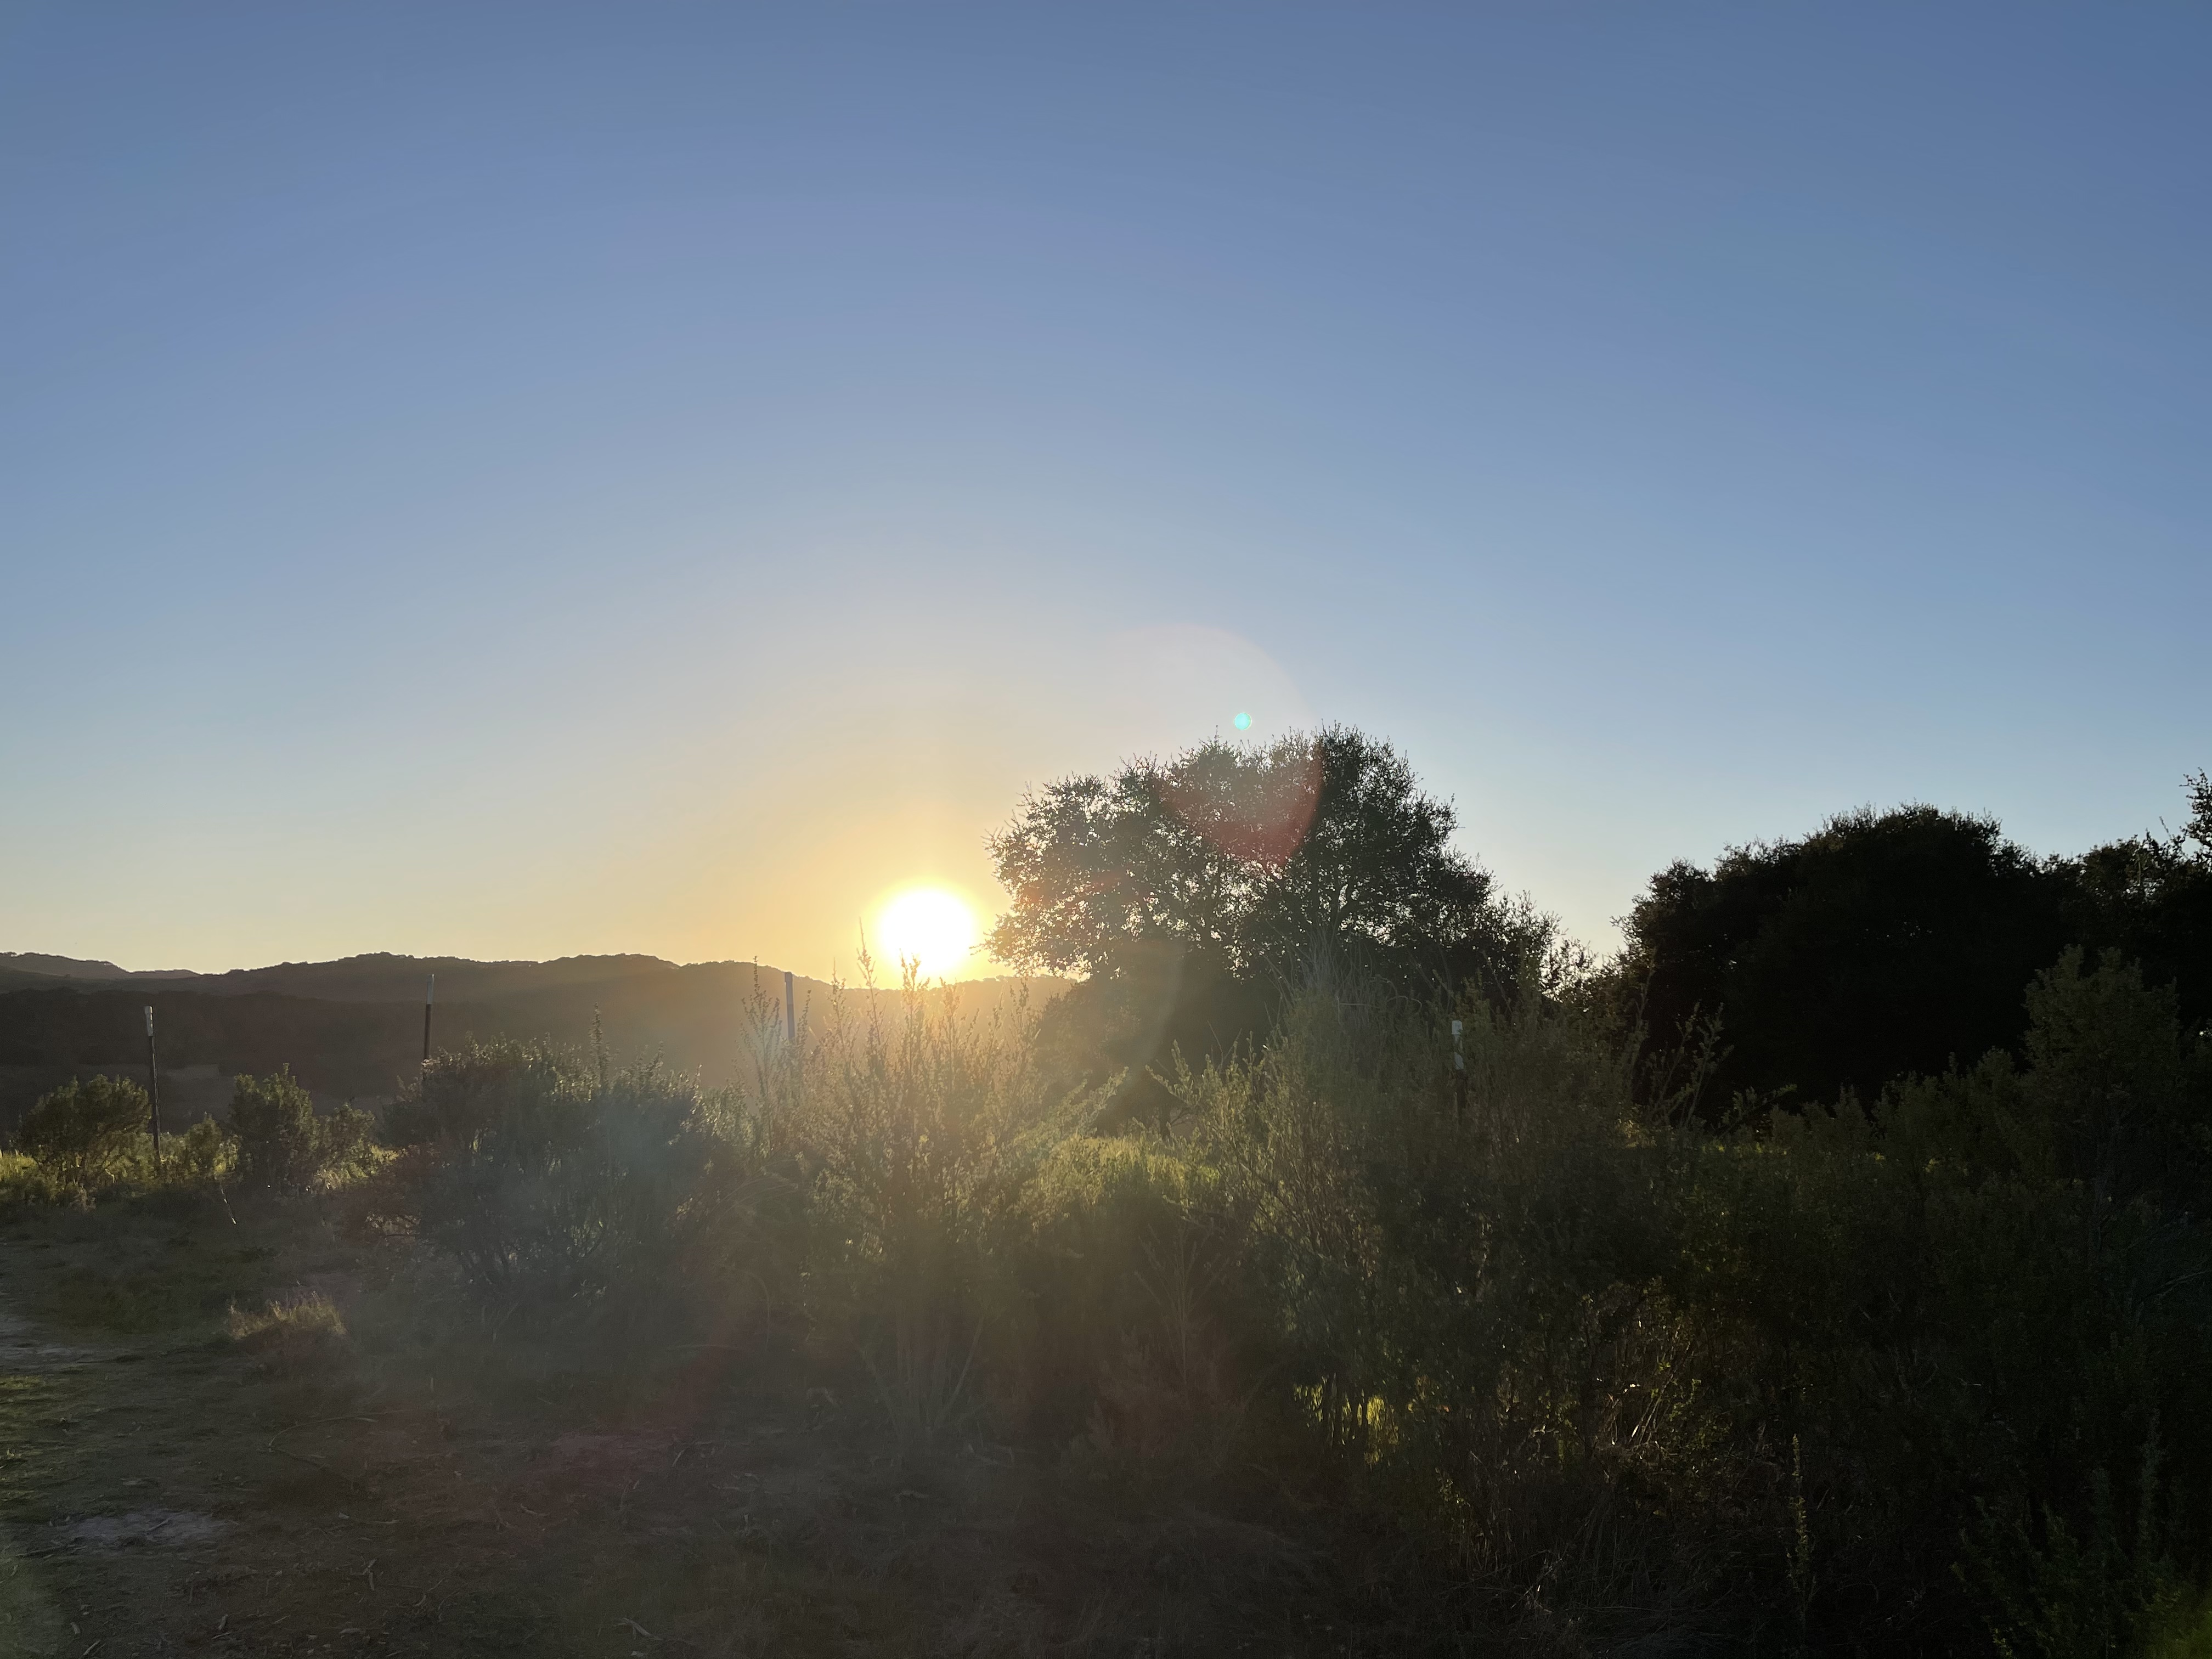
<point>515,482</point>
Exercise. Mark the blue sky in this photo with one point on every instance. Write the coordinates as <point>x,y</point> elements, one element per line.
<point>522,481</point>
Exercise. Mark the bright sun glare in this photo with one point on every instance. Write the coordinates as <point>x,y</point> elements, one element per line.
<point>928,926</point>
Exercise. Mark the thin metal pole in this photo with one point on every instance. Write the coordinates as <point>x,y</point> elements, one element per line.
<point>154,1086</point>
<point>790,1014</point>
<point>429,996</point>
<point>1459,1069</point>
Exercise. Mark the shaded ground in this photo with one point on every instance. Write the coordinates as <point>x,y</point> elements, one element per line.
<point>165,1488</point>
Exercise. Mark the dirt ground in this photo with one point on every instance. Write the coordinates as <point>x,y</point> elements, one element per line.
<point>168,1486</point>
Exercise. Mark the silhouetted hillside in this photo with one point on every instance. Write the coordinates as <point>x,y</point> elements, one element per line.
<point>383,977</point>
<point>38,963</point>
<point>36,970</point>
<point>352,1029</point>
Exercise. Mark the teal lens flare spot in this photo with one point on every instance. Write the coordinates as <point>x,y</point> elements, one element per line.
<point>1243,721</point>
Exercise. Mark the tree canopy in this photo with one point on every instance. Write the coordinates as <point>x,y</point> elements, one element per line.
<point>1881,943</point>
<point>1248,858</point>
<point>2149,897</point>
<point>1890,943</point>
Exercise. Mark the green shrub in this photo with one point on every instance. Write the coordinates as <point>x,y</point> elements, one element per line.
<point>1464,1304</point>
<point>283,1144</point>
<point>1128,1263</point>
<point>205,1151</point>
<point>557,1189</point>
<point>87,1130</point>
<point>1929,1378</point>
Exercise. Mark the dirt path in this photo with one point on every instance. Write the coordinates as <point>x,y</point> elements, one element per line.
<point>84,1544</point>
<point>25,1349</point>
<point>167,1490</point>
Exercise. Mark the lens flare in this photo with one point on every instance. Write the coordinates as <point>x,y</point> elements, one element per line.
<point>931,928</point>
<point>1243,721</point>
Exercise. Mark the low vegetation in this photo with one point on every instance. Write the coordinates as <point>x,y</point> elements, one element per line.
<point>281,1143</point>
<point>1441,1314</point>
<point>87,1132</point>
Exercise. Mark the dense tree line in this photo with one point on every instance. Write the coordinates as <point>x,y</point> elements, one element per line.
<point>1189,893</point>
<point>1886,944</point>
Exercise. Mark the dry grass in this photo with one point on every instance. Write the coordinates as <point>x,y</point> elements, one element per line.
<point>329,1459</point>
<point>291,1334</point>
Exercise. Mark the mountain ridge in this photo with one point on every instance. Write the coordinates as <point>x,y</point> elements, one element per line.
<point>383,975</point>
<point>352,1028</point>
<point>49,966</point>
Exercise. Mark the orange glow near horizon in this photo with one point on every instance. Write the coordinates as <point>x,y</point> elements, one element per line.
<point>931,926</point>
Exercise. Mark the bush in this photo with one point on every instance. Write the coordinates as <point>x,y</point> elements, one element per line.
<point>1128,1264</point>
<point>87,1131</point>
<point>1463,1303</point>
<point>1918,1380</point>
<point>283,1144</point>
<point>559,1190</point>
<point>2061,1262</point>
<point>204,1152</point>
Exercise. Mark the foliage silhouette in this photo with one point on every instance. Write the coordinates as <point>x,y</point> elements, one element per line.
<point>1889,942</point>
<point>1188,892</point>
<point>2149,897</point>
<point>1881,944</point>
<point>1248,858</point>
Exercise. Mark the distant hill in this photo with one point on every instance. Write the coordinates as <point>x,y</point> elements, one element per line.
<point>46,967</point>
<point>380,977</point>
<point>353,1028</point>
<point>383,977</point>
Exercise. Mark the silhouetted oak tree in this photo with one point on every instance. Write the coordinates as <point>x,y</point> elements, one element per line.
<point>1249,857</point>
<point>2149,897</point>
<point>1896,942</point>
<point>1881,944</point>
<point>1188,892</point>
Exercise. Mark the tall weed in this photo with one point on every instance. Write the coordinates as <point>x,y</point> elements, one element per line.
<point>915,1134</point>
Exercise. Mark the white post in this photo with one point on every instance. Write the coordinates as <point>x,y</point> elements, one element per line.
<point>154,1086</point>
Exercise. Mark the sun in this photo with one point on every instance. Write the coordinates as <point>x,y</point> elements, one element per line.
<point>931,927</point>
